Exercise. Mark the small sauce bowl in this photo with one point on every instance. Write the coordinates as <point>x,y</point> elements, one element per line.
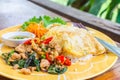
<point>13,39</point>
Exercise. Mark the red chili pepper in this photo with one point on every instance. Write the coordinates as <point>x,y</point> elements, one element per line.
<point>35,40</point>
<point>63,60</point>
<point>46,41</point>
<point>60,59</point>
<point>48,57</point>
<point>28,42</point>
<point>67,62</point>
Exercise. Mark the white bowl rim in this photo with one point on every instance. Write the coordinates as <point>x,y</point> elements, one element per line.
<point>18,32</point>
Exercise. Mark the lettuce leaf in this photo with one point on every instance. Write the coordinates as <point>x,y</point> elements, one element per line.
<point>34,19</point>
<point>47,20</point>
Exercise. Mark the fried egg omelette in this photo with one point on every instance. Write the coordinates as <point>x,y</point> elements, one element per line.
<point>74,41</point>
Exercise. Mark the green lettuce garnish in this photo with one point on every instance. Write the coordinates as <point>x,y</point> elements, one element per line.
<point>47,20</point>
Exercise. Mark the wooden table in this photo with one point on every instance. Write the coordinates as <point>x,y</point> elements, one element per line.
<point>13,12</point>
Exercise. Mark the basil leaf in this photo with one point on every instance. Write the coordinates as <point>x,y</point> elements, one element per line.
<point>21,63</point>
<point>52,70</point>
<point>6,56</point>
<point>37,63</point>
<point>55,70</point>
<point>61,71</point>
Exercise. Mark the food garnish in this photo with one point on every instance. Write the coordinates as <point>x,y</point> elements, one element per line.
<point>39,25</point>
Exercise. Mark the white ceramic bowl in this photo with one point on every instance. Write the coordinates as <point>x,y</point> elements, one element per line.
<point>11,42</point>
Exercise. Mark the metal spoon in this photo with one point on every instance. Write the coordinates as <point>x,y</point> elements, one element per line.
<point>110,47</point>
